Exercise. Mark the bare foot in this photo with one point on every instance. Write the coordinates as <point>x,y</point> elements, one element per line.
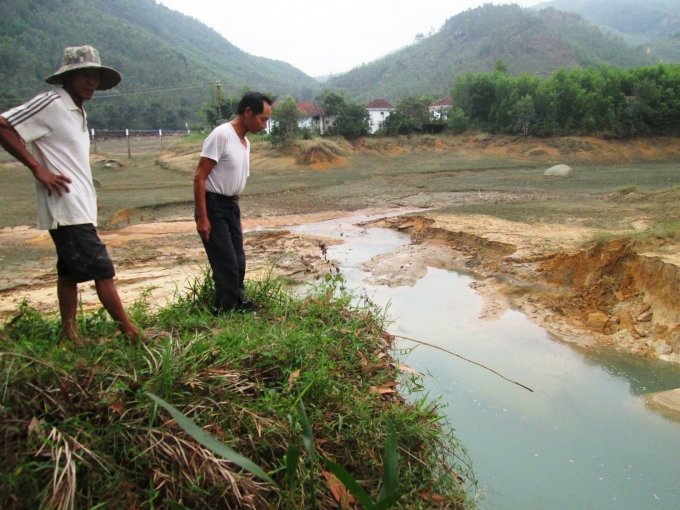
<point>74,340</point>
<point>144,337</point>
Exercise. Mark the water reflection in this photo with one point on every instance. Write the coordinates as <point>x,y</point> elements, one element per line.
<point>644,375</point>
<point>584,439</point>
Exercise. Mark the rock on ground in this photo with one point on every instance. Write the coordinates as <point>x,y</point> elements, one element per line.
<point>559,171</point>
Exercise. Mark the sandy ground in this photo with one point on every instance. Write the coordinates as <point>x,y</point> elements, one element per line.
<point>157,260</point>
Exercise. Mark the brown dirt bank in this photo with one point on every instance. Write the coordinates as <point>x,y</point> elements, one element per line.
<point>326,153</point>
<point>155,260</point>
<point>617,292</point>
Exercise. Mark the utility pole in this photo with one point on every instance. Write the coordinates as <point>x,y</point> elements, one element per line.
<point>218,84</point>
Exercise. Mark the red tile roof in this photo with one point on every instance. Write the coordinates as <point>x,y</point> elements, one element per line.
<point>379,104</point>
<point>310,109</point>
<point>442,102</point>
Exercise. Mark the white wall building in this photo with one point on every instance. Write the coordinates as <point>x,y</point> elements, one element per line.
<point>311,116</point>
<point>439,109</point>
<point>379,110</point>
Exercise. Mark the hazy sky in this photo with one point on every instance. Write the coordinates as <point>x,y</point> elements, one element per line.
<point>319,36</point>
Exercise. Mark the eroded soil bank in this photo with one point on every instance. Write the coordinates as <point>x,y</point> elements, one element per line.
<point>614,292</point>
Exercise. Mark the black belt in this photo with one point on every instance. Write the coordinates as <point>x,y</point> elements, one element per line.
<point>209,195</point>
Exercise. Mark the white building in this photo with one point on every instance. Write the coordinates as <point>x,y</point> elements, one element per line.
<point>379,110</point>
<point>311,116</point>
<point>439,109</point>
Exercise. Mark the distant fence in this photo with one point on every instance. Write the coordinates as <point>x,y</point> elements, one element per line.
<point>117,134</point>
<point>104,135</point>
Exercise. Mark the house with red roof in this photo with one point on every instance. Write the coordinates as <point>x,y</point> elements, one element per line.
<point>312,116</point>
<point>379,110</point>
<point>439,109</point>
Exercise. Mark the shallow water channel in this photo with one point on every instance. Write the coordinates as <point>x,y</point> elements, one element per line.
<point>584,439</point>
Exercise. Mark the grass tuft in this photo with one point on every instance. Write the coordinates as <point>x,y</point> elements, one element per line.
<point>79,431</point>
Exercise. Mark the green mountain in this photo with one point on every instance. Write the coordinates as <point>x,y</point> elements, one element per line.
<point>654,24</point>
<point>650,19</point>
<point>472,41</point>
<point>154,48</point>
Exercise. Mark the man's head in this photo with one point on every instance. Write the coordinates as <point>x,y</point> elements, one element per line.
<point>81,58</point>
<point>256,110</point>
<point>82,83</point>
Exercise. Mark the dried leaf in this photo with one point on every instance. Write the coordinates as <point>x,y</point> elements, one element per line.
<point>220,371</point>
<point>291,379</point>
<point>338,490</point>
<point>64,387</point>
<point>433,498</point>
<point>404,368</point>
<point>382,355</point>
<point>381,390</point>
<point>392,384</point>
<point>370,368</point>
<point>457,476</point>
<point>118,408</point>
<point>33,424</point>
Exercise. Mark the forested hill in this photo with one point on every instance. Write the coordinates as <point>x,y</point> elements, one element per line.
<point>527,41</point>
<point>151,45</point>
<point>653,23</point>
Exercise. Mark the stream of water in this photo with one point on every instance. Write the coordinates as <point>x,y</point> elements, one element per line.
<point>584,439</point>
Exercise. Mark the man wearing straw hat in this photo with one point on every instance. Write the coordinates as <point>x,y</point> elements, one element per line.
<point>54,125</point>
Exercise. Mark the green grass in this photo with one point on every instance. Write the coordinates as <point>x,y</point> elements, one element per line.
<point>77,425</point>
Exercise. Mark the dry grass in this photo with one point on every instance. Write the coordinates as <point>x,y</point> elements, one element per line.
<point>79,432</point>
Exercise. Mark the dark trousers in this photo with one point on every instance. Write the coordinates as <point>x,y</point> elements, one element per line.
<point>225,250</point>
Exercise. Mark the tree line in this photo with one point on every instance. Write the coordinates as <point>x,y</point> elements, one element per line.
<point>605,101</point>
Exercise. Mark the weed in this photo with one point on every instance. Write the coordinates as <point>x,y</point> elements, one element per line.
<point>79,431</point>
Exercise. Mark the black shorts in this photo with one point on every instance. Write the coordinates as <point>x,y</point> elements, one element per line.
<point>81,254</point>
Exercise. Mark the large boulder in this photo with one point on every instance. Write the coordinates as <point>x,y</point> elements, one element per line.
<point>559,171</point>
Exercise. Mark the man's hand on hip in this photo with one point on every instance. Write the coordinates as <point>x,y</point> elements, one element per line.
<point>53,182</point>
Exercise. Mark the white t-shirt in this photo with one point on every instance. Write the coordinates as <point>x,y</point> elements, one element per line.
<point>55,131</point>
<point>232,169</point>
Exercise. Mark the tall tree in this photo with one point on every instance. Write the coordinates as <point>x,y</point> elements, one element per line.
<point>285,119</point>
<point>350,119</point>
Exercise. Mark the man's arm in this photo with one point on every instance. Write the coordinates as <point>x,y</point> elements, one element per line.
<point>205,166</point>
<point>13,143</point>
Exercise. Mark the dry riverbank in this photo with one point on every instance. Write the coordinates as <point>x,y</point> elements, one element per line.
<point>592,258</point>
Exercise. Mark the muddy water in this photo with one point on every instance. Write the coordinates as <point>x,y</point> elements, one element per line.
<point>584,439</point>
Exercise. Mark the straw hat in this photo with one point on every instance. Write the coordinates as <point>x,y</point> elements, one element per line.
<point>85,57</point>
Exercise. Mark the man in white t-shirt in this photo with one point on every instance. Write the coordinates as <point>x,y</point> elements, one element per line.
<point>54,125</point>
<point>220,177</point>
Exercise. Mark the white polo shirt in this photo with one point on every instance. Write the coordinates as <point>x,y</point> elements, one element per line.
<point>55,131</point>
<point>232,169</point>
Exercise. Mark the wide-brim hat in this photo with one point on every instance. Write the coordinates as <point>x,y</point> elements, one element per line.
<point>85,57</point>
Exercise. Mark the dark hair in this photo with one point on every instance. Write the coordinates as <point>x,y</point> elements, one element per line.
<point>253,100</point>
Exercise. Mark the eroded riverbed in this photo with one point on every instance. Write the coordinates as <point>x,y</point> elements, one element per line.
<point>587,437</point>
